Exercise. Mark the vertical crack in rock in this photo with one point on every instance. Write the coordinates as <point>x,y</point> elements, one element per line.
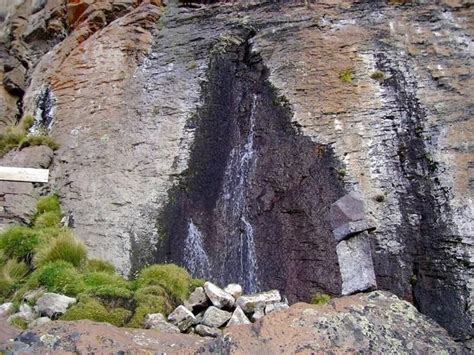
<point>430,256</point>
<point>257,191</point>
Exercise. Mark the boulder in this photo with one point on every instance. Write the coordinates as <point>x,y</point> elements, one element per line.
<point>258,314</point>
<point>218,296</point>
<point>347,217</point>
<point>206,331</point>
<point>38,322</point>
<point>25,313</point>
<point>238,318</point>
<point>355,263</point>
<point>215,317</point>
<point>276,307</point>
<point>182,318</point>
<point>158,321</point>
<point>53,304</point>
<point>6,309</point>
<point>197,300</point>
<point>250,303</point>
<point>234,289</point>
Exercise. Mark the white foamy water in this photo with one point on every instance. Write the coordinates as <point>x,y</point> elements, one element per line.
<point>195,257</point>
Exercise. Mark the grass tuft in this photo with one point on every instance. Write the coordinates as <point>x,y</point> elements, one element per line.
<point>19,242</point>
<point>346,75</point>
<point>65,248</point>
<point>320,298</point>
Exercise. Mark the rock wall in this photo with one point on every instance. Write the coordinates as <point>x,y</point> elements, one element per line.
<point>161,111</point>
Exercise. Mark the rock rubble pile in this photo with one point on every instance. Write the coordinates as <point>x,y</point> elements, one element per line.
<point>210,309</point>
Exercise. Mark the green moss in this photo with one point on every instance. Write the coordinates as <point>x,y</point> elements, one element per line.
<point>61,277</point>
<point>48,220</point>
<point>99,265</point>
<point>346,75</point>
<point>174,279</point>
<point>19,242</point>
<point>64,247</point>
<point>19,323</point>
<point>48,204</point>
<point>196,283</point>
<point>150,299</point>
<point>92,309</point>
<point>320,298</point>
<point>107,286</point>
<point>378,75</point>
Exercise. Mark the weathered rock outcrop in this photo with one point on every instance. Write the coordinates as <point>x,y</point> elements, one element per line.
<point>376,322</point>
<point>218,137</point>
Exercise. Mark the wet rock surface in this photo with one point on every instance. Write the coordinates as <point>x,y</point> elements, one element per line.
<point>373,322</point>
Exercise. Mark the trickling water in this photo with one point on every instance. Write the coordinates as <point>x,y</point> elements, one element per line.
<point>238,172</point>
<point>195,257</point>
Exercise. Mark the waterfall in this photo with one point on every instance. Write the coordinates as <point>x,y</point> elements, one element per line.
<point>238,172</point>
<point>195,257</point>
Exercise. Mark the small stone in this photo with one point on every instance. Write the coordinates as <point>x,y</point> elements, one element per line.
<point>215,317</point>
<point>197,299</point>
<point>49,340</point>
<point>238,318</point>
<point>258,314</point>
<point>206,331</point>
<point>53,304</point>
<point>6,309</point>
<point>355,263</point>
<point>276,307</point>
<point>234,289</point>
<point>158,321</point>
<point>39,322</point>
<point>182,318</point>
<point>218,296</point>
<point>250,303</point>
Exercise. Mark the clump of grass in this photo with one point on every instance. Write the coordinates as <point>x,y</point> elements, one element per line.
<point>150,299</point>
<point>90,308</point>
<point>14,270</point>
<point>378,75</point>
<point>174,279</point>
<point>48,219</point>
<point>320,298</point>
<point>195,283</point>
<point>19,323</point>
<point>17,137</point>
<point>93,265</point>
<point>48,204</point>
<point>66,248</point>
<point>19,242</point>
<point>346,75</point>
<point>61,277</point>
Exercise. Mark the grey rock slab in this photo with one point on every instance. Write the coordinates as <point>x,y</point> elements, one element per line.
<point>158,321</point>
<point>276,307</point>
<point>348,208</point>
<point>182,318</point>
<point>218,296</point>
<point>206,331</point>
<point>215,317</point>
<point>39,322</point>
<point>250,303</point>
<point>53,304</point>
<point>258,314</point>
<point>355,262</point>
<point>234,289</point>
<point>6,309</point>
<point>238,318</point>
<point>197,299</point>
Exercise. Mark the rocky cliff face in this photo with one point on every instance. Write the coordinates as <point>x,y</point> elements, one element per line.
<point>218,136</point>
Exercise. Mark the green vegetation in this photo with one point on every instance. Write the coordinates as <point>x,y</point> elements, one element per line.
<point>47,257</point>
<point>19,323</point>
<point>320,298</point>
<point>17,137</point>
<point>346,75</point>
<point>378,75</point>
